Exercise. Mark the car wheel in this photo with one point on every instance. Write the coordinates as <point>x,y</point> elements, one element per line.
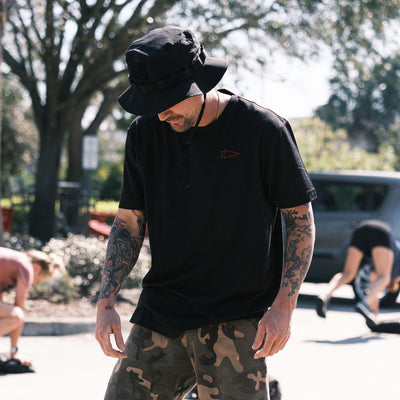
<point>361,285</point>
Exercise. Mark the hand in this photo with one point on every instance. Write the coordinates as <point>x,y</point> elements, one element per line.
<point>109,323</point>
<point>274,330</point>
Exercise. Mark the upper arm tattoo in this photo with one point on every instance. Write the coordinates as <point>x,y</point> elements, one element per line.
<point>299,246</point>
<point>141,220</point>
<point>122,253</point>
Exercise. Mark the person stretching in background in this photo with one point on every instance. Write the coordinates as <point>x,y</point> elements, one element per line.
<point>20,271</point>
<point>373,239</point>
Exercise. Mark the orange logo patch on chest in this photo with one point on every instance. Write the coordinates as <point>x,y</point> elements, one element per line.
<point>229,153</point>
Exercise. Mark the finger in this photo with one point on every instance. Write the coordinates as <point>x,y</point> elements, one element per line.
<point>119,340</point>
<point>107,348</point>
<point>277,346</point>
<point>265,350</point>
<point>272,345</point>
<point>259,337</point>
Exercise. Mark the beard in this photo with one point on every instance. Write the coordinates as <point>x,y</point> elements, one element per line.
<point>181,124</point>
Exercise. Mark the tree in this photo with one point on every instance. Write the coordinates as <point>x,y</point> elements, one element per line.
<point>2,23</point>
<point>19,136</point>
<point>66,54</point>
<point>325,149</point>
<point>368,104</point>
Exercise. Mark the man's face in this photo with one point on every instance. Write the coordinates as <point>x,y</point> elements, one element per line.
<point>182,116</point>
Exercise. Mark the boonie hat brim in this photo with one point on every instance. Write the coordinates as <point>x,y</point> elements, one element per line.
<point>151,104</point>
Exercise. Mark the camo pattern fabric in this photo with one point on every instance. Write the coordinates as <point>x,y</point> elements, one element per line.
<point>219,358</point>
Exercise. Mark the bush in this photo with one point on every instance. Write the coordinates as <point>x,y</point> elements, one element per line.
<point>21,242</point>
<point>84,258</point>
<point>110,188</point>
<point>56,290</point>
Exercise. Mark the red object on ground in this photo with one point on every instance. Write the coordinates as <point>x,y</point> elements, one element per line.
<point>102,216</point>
<point>98,225</point>
<point>7,215</point>
<point>99,228</point>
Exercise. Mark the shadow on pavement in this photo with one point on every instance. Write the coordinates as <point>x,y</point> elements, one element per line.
<point>354,340</point>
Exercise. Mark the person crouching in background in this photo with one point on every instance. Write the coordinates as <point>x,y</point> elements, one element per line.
<point>19,271</point>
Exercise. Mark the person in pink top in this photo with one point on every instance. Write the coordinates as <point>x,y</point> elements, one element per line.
<point>18,272</point>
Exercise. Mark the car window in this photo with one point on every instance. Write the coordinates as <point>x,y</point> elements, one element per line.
<point>348,196</point>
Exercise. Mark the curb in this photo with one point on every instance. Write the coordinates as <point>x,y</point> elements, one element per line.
<point>64,326</point>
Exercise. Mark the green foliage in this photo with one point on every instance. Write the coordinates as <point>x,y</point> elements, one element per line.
<point>393,143</point>
<point>107,206</point>
<point>325,149</point>
<point>22,242</point>
<point>111,159</point>
<point>11,147</point>
<point>366,103</point>
<point>84,259</point>
<point>110,188</point>
<point>20,218</point>
<point>56,290</point>
<point>122,119</point>
<point>67,55</point>
<point>352,30</point>
<point>18,136</point>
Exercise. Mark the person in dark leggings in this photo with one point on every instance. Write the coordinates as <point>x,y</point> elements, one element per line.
<point>372,239</point>
<point>390,326</point>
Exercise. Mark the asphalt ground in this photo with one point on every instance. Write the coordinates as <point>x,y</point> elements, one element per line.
<point>325,359</point>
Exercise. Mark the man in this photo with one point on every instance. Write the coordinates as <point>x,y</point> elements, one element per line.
<point>374,240</point>
<point>210,173</point>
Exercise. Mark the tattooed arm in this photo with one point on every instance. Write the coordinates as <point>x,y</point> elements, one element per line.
<point>274,327</point>
<point>125,242</point>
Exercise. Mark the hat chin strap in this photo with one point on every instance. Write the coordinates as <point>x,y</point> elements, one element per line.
<point>201,112</point>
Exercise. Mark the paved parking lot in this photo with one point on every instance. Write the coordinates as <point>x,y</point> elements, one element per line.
<point>336,358</point>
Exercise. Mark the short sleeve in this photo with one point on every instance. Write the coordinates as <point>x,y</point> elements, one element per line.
<point>287,181</point>
<point>132,193</point>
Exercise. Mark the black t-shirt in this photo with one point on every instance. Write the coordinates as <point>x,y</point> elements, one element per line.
<point>211,197</point>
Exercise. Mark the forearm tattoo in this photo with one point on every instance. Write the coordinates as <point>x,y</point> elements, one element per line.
<point>299,246</point>
<point>122,253</point>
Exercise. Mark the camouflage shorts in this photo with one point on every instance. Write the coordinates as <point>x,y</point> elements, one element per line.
<point>218,358</point>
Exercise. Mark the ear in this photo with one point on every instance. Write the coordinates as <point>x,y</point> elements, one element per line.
<point>37,268</point>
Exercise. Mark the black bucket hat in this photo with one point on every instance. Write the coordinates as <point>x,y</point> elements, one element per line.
<point>166,66</point>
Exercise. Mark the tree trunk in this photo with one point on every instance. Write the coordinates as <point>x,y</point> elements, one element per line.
<point>43,209</point>
<point>75,171</point>
<point>2,24</point>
